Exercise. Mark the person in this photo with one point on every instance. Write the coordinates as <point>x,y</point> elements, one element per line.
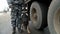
<point>16,11</point>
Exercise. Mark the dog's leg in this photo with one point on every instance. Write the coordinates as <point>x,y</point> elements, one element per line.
<point>28,30</point>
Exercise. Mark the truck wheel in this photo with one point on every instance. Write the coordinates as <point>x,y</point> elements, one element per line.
<point>37,15</point>
<point>54,17</point>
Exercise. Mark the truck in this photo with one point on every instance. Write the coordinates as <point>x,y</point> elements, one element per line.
<point>44,13</point>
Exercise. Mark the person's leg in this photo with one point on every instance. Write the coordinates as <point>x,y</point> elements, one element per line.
<point>13,21</point>
<point>19,19</point>
<point>19,24</point>
<point>14,28</point>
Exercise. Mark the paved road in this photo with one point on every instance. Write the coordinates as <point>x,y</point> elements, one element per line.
<point>5,26</point>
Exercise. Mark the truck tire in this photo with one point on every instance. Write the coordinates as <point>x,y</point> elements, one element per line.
<point>38,14</point>
<point>54,17</point>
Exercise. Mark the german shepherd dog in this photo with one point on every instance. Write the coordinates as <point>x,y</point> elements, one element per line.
<point>25,22</point>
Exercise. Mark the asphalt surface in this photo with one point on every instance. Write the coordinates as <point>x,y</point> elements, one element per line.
<point>6,28</point>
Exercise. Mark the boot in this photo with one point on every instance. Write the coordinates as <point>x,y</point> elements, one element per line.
<point>14,30</point>
<point>19,28</point>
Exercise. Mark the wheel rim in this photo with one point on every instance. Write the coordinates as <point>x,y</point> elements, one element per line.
<point>57,21</point>
<point>34,15</point>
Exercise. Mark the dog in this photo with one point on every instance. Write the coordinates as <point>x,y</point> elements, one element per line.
<point>25,22</point>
